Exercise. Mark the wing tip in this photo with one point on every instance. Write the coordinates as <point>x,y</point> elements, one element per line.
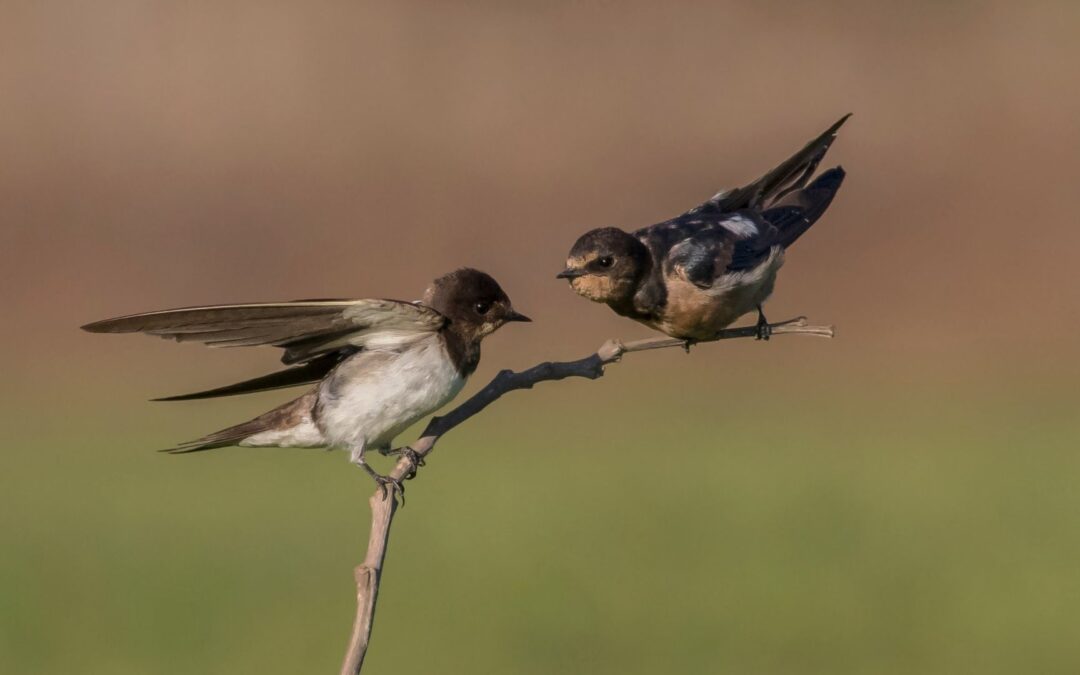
<point>102,326</point>
<point>830,177</point>
<point>189,447</point>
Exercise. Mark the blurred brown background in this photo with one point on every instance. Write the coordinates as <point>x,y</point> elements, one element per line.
<point>158,154</point>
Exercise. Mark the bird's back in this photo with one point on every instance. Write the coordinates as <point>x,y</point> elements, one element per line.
<point>709,267</point>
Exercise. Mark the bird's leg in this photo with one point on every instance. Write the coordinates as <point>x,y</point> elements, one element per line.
<point>764,330</point>
<point>357,457</point>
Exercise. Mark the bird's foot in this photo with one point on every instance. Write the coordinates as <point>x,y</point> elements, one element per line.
<point>688,343</point>
<point>386,484</point>
<point>416,460</point>
<point>389,485</point>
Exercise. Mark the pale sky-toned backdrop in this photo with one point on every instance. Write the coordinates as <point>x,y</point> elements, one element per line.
<point>161,154</point>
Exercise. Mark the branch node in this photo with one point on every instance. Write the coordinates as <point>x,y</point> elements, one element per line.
<point>611,351</point>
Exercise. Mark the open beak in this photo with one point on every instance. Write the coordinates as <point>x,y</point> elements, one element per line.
<point>570,273</point>
<point>517,316</point>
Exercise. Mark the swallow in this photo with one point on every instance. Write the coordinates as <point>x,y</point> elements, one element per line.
<point>695,274</point>
<point>379,365</point>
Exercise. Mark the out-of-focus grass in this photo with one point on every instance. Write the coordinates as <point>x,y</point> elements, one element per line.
<point>934,532</point>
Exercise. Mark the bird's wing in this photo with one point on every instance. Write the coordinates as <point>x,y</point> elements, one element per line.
<point>304,329</point>
<point>701,257</point>
<point>719,246</point>
<point>304,373</point>
<point>792,174</point>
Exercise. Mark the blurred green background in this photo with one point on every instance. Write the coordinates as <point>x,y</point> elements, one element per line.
<point>901,499</point>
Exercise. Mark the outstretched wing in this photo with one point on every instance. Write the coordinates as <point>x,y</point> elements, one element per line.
<point>304,329</point>
<point>293,376</point>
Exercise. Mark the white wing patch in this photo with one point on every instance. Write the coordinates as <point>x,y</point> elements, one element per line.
<point>740,226</point>
<point>754,283</point>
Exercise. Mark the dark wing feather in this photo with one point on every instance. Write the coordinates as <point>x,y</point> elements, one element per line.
<point>305,329</point>
<point>699,258</point>
<point>737,230</point>
<point>795,213</point>
<point>747,254</point>
<point>714,250</point>
<point>783,224</point>
<point>791,175</point>
<point>312,371</point>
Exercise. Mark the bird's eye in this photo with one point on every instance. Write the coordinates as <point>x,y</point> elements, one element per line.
<point>605,261</point>
<point>482,307</point>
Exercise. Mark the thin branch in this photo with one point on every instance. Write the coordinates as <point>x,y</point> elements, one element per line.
<point>591,367</point>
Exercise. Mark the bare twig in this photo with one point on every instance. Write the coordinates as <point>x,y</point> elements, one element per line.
<point>383,507</point>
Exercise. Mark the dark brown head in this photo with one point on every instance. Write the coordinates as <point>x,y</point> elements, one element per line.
<point>606,265</point>
<point>474,303</point>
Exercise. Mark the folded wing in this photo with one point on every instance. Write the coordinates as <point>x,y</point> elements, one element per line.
<point>792,174</point>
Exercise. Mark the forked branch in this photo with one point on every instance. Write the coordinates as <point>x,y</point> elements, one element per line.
<point>383,507</point>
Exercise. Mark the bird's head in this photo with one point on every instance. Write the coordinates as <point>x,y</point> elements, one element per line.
<point>474,302</point>
<point>606,265</point>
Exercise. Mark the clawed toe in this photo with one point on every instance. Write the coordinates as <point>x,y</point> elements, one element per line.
<point>388,485</point>
<point>416,461</point>
<point>384,481</point>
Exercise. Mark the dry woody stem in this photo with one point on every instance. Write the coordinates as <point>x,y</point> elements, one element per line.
<point>384,505</point>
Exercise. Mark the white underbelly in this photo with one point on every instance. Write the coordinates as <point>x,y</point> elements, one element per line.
<point>374,396</point>
<point>303,435</point>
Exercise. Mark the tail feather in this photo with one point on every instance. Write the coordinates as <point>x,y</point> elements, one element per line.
<point>283,417</point>
<point>795,213</point>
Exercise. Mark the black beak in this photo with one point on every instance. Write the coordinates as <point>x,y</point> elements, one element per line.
<point>570,273</point>
<point>517,316</point>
